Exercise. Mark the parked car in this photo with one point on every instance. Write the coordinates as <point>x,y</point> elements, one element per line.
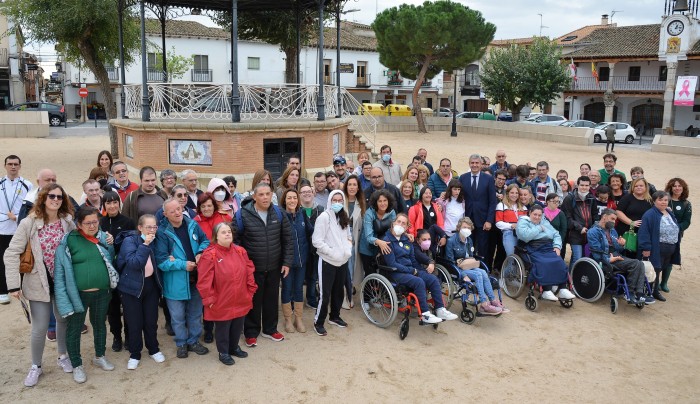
<point>442,111</point>
<point>546,119</point>
<point>531,115</point>
<point>468,114</point>
<point>505,116</point>
<point>581,123</point>
<point>623,132</point>
<point>57,113</point>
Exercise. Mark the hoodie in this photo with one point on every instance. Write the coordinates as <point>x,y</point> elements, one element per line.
<point>333,243</point>
<point>228,203</point>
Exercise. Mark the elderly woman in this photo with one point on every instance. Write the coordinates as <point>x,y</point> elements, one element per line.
<point>227,285</point>
<point>683,211</point>
<point>544,249</point>
<point>44,228</point>
<point>460,250</point>
<point>659,238</point>
<point>82,282</point>
<point>406,189</point>
<point>208,214</point>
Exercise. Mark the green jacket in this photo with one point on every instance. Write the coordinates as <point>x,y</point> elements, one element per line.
<point>683,211</point>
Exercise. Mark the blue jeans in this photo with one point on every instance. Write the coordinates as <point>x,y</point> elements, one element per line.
<point>293,285</point>
<point>509,241</point>
<point>186,318</point>
<point>481,280</point>
<point>351,272</point>
<point>576,254</point>
<point>52,321</point>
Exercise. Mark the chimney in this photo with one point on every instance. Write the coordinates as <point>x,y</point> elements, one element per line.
<point>604,19</point>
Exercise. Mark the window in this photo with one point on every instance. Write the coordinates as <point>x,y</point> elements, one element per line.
<point>634,73</point>
<point>201,62</point>
<point>253,63</point>
<point>663,72</point>
<point>155,60</point>
<point>604,74</point>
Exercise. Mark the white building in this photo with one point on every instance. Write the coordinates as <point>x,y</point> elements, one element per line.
<point>12,87</point>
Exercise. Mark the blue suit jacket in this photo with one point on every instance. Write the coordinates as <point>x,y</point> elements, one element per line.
<point>480,205</point>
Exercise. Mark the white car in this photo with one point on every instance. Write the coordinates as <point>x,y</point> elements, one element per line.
<point>623,132</point>
<point>546,119</point>
<point>443,112</point>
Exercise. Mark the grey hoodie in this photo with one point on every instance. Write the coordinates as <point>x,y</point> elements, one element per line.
<point>333,243</point>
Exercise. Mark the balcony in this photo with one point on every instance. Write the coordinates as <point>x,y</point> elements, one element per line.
<point>427,83</point>
<point>4,60</point>
<point>201,75</point>
<point>155,75</point>
<point>471,81</point>
<point>112,73</point>
<point>649,84</point>
<point>329,80</point>
<point>365,81</point>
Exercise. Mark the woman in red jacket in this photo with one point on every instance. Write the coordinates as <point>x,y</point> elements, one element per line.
<point>227,285</point>
<point>207,214</point>
<point>426,214</point>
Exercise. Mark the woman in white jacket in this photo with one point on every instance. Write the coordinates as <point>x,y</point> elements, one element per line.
<point>333,242</point>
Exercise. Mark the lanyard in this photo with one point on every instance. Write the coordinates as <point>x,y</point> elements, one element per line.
<point>15,194</point>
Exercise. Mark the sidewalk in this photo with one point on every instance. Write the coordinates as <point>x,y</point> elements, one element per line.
<point>79,129</point>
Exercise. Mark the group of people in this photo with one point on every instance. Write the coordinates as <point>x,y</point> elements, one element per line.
<point>215,259</point>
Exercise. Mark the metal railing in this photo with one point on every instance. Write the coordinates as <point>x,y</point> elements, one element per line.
<point>329,80</point>
<point>201,75</point>
<point>472,81</point>
<point>427,83</point>
<point>112,73</point>
<point>365,81</point>
<point>155,75</point>
<point>620,83</point>
<point>4,59</point>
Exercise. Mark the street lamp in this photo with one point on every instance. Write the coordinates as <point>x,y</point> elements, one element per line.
<point>59,69</point>
<point>454,105</point>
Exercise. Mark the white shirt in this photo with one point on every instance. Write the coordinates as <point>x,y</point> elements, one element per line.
<point>453,212</point>
<point>12,193</point>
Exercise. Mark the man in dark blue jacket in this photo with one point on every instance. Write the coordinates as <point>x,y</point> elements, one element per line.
<point>480,199</point>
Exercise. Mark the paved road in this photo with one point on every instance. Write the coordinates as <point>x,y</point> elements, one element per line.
<point>79,129</point>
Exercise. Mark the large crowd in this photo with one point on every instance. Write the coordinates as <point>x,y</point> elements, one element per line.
<point>215,260</point>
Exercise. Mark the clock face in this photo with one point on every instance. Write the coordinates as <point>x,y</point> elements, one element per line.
<point>675,27</point>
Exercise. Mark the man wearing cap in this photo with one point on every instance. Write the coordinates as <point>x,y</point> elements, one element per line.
<point>340,168</point>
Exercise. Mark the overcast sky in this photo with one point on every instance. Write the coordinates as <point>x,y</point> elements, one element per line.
<point>513,18</point>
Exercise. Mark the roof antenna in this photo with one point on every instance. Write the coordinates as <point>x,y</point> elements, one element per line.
<point>541,26</point>
<point>612,14</point>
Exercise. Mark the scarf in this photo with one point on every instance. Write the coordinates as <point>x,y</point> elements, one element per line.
<point>551,214</point>
<point>90,238</point>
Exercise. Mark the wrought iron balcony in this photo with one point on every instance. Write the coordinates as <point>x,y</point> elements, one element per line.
<point>365,81</point>
<point>201,75</point>
<point>620,83</point>
<point>155,75</point>
<point>112,73</point>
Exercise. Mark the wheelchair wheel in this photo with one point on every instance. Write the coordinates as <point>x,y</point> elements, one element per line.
<point>588,280</point>
<point>640,305</point>
<point>379,303</point>
<point>446,285</point>
<point>531,303</point>
<point>613,305</point>
<point>566,303</point>
<point>512,280</point>
<point>403,329</point>
<point>467,316</point>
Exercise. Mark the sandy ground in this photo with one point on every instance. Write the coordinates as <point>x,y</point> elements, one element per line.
<point>585,354</point>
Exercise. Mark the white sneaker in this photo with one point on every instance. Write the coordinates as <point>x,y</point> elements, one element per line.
<point>79,374</point>
<point>158,357</point>
<point>102,363</point>
<point>548,295</point>
<point>64,363</point>
<point>4,299</point>
<point>429,318</point>
<point>132,364</point>
<point>566,294</point>
<point>444,314</point>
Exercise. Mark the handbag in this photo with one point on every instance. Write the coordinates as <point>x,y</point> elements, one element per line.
<point>113,274</point>
<point>26,260</point>
<point>630,240</point>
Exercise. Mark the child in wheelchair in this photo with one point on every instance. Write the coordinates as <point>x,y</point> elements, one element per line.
<point>460,250</point>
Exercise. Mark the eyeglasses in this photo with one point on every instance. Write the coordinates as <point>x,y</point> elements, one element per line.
<point>500,155</point>
<point>377,177</point>
<point>179,195</point>
<point>306,192</point>
<point>120,172</point>
<point>90,224</point>
<point>56,197</point>
<point>151,228</point>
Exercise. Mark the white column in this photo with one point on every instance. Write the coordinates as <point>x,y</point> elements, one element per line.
<point>609,96</point>
<point>669,110</point>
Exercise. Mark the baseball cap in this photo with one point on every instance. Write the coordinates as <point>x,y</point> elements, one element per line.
<point>338,159</point>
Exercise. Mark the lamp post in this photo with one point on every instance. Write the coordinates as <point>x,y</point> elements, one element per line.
<point>59,68</point>
<point>454,105</point>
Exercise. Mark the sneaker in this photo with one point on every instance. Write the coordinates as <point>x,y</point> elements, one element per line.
<point>33,377</point>
<point>169,329</point>
<point>84,329</point>
<point>103,363</point>
<point>79,374</point>
<point>500,305</point>
<point>5,299</point>
<point>238,352</point>
<point>549,295</point>
<point>226,359</point>
<point>251,342</point>
<point>646,299</point>
<point>158,357</point>
<point>132,364</point>
<point>117,344</point>
<point>429,318</point>
<point>198,348</point>
<point>445,314</point>
<point>51,336</point>
<point>320,330</point>
<point>64,363</point>
<point>311,305</point>
<point>275,336</point>
<point>182,352</point>
<point>365,306</point>
<point>339,322</point>
<point>565,294</point>
<point>489,309</point>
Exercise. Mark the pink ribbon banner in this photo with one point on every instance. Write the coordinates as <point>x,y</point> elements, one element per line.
<point>685,91</point>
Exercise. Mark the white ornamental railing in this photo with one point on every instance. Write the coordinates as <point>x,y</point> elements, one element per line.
<point>258,102</point>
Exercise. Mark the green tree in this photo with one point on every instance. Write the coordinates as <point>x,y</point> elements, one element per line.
<point>517,76</point>
<point>82,30</point>
<point>421,41</point>
<point>177,65</point>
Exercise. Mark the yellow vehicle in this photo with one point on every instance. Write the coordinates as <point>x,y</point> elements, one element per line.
<point>399,110</point>
<point>372,109</point>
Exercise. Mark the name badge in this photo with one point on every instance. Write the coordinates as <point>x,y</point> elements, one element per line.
<point>194,237</point>
<point>400,244</point>
<point>432,214</point>
<point>678,207</point>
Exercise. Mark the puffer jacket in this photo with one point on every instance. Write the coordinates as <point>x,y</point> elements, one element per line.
<point>579,213</point>
<point>333,243</point>
<point>269,246</point>
<point>131,263</point>
<point>301,237</point>
<point>34,285</point>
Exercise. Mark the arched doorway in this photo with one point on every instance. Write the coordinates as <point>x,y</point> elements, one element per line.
<point>596,112</point>
<point>650,115</point>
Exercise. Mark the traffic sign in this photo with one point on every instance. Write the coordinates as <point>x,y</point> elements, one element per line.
<point>83,92</point>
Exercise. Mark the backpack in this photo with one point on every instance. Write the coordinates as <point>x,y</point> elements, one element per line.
<point>239,218</point>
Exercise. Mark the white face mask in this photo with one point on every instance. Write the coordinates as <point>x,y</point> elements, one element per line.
<point>220,195</point>
<point>465,233</point>
<point>398,230</point>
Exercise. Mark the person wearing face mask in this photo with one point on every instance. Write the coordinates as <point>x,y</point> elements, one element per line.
<point>390,168</point>
<point>411,274</point>
<point>208,216</point>
<point>139,288</point>
<point>606,247</point>
<point>460,250</point>
<point>332,238</point>
<point>219,190</point>
<point>581,212</point>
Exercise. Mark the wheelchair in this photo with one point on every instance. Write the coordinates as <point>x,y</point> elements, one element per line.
<point>514,278</point>
<point>465,290</point>
<point>383,299</point>
<point>591,279</point>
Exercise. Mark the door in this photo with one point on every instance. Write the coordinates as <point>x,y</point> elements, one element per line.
<point>362,74</point>
<point>596,112</point>
<point>277,152</point>
<point>327,72</point>
<point>649,115</point>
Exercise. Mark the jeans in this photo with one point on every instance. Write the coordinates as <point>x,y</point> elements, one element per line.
<point>186,318</point>
<point>576,254</point>
<point>293,285</point>
<point>4,243</point>
<point>481,280</point>
<point>351,273</point>
<point>417,283</point>
<point>509,241</point>
<point>311,280</point>
<point>52,322</point>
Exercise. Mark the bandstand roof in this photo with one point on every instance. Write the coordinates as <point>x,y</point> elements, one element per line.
<point>243,5</point>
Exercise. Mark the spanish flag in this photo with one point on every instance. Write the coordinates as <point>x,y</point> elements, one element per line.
<point>594,72</point>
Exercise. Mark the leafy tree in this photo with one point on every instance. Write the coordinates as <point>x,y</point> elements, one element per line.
<point>421,41</point>
<point>517,76</point>
<point>177,65</point>
<point>82,30</point>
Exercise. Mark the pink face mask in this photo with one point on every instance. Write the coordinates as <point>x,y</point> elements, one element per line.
<point>425,244</point>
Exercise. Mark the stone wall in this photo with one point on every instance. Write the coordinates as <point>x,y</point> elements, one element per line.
<point>676,145</point>
<point>24,124</point>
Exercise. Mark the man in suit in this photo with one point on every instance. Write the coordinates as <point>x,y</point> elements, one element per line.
<point>480,199</point>
<point>190,181</point>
